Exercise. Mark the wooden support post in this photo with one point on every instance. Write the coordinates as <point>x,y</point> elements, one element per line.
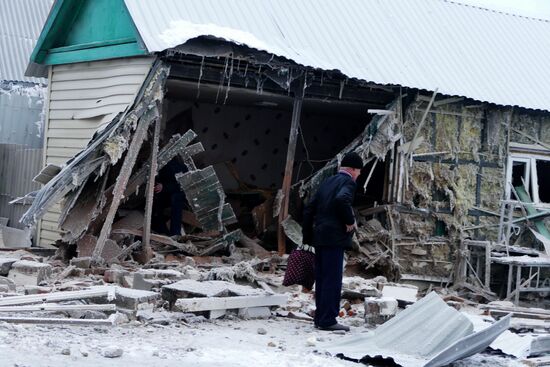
<point>122,180</point>
<point>518,285</point>
<point>147,253</point>
<point>287,180</point>
<point>509,283</point>
<point>488,247</point>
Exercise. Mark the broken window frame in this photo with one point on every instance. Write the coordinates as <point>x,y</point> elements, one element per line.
<point>531,175</point>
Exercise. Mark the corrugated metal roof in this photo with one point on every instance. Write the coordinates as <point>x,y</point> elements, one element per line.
<point>428,333</point>
<point>426,44</point>
<point>20,24</point>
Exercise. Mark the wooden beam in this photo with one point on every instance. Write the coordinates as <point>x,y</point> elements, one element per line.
<point>123,177</point>
<point>147,253</point>
<point>52,321</point>
<point>287,180</point>
<point>53,307</point>
<point>54,297</point>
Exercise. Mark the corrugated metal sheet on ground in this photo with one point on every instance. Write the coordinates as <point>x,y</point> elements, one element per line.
<point>428,333</point>
<point>426,44</point>
<point>20,24</point>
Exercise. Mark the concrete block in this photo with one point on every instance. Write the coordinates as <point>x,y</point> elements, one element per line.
<point>140,282</point>
<point>379,310</point>
<point>81,262</point>
<point>254,313</point>
<point>147,279</point>
<point>188,288</point>
<point>115,276</point>
<point>5,265</point>
<point>406,294</point>
<point>25,272</point>
<point>8,284</point>
<point>216,314</point>
<point>126,298</point>
<point>86,245</point>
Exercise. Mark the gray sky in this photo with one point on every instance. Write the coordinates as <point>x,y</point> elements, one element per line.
<point>530,8</point>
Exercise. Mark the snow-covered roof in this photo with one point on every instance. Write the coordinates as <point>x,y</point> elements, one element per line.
<point>426,44</point>
<point>20,25</point>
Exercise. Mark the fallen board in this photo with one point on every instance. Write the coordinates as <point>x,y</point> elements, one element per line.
<point>228,303</point>
<point>46,320</point>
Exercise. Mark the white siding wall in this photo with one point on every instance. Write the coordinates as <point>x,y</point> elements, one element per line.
<point>82,97</point>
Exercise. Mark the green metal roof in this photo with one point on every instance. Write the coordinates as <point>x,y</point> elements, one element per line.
<point>87,30</point>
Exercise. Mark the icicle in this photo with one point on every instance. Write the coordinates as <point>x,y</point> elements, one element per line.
<point>322,74</point>
<point>341,89</point>
<point>228,82</point>
<point>222,79</point>
<point>200,77</point>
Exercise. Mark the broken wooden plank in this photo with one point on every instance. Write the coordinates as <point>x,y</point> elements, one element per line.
<point>128,250</point>
<point>55,308</point>
<point>206,197</point>
<point>228,303</point>
<point>147,253</point>
<point>289,166</point>
<point>47,173</point>
<point>165,240</point>
<point>56,297</point>
<point>56,321</point>
<point>253,246</point>
<point>123,177</point>
<point>176,144</point>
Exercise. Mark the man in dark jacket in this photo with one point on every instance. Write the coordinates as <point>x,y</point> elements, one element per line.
<point>328,225</point>
<point>168,194</point>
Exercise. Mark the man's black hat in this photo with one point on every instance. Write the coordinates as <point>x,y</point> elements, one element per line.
<point>352,160</point>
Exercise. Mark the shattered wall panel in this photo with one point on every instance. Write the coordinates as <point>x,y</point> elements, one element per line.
<point>83,98</point>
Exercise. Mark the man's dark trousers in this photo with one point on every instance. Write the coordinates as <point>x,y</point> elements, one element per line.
<point>329,262</point>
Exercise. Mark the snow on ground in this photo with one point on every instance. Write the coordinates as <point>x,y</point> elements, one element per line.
<point>224,342</point>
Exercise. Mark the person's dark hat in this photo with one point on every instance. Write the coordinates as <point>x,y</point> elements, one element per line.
<point>352,160</point>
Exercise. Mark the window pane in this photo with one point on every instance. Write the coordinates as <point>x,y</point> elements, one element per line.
<point>519,171</point>
<point>543,173</point>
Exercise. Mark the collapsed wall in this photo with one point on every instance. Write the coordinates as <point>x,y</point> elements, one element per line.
<point>455,179</point>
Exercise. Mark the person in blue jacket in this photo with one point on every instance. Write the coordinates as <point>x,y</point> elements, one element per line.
<point>328,225</point>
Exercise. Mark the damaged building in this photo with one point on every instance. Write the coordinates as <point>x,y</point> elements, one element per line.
<point>260,100</point>
<point>21,115</point>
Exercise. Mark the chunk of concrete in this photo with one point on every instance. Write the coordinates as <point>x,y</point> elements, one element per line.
<point>254,313</point>
<point>147,279</point>
<point>404,294</point>
<point>112,352</point>
<point>25,272</point>
<point>81,262</point>
<point>5,265</point>
<point>7,285</point>
<point>379,310</point>
<point>188,288</point>
<point>126,298</point>
<point>115,276</point>
<point>86,245</point>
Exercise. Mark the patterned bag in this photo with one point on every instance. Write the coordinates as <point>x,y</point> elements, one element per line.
<point>300,267</point>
